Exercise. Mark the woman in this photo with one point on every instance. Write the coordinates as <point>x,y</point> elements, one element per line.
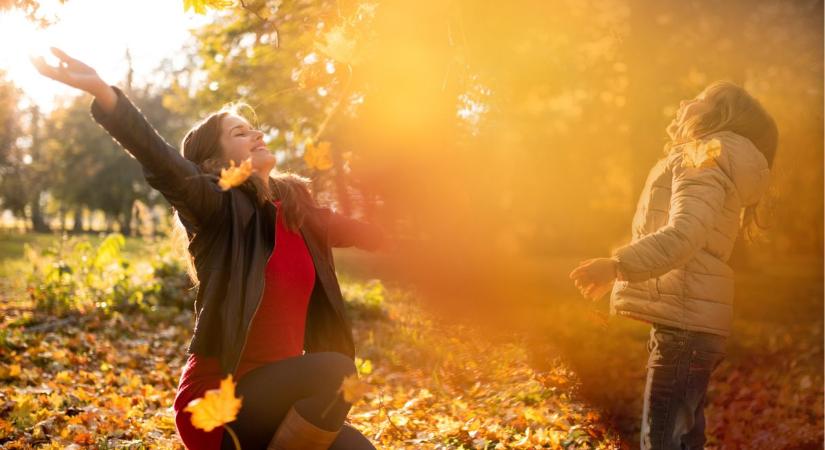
<point>674,274</point>
<point>259,305</point>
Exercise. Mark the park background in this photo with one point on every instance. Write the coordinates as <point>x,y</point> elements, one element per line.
<point>499,142</point>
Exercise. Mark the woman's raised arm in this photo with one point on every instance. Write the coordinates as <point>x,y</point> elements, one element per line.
<point>181,182</point>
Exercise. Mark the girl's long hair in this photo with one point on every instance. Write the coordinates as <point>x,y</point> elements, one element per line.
<point>201,145</point>
<point>733,109</point>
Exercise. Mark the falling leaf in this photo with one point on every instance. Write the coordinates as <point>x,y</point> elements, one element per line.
<point>319,157</point>
<point>217,407</point>
<point>353,389</point>
<point>364,366</point>
<point>311,76</point>
<point>338,46</point>
<point>235,176</point>
<point>700,154</point>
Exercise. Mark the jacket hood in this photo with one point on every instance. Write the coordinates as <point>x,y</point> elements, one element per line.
<point>744,164</point>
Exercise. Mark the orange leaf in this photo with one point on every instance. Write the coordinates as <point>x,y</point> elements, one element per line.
<point>216,408</point>
<point>318,157</point>
<point>235,176</point>
<point>353,389</point>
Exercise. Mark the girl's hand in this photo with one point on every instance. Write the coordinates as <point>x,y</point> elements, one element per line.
<point>594,277</point>
<point>79,75</point>
<point>596,291</point>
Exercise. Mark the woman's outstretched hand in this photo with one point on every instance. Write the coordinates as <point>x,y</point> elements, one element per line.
<point>594,278</point>
<point>79,75</point>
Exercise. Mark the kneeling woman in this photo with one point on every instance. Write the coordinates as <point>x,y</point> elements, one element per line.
<point>269,308</point>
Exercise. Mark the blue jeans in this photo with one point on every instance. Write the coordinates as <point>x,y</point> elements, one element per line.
<point>678,372</point>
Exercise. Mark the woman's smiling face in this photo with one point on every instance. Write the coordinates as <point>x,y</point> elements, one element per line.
<point>239,141</point>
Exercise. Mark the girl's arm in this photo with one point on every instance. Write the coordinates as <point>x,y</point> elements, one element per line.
<point>697,199</point>
<point>191,193</point>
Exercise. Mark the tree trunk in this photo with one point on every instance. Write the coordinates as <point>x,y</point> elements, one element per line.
<point>62,218</point>
<point>126,219</point>
<point>155,219</point>
<point>78,220</point>
<point>39,224</point>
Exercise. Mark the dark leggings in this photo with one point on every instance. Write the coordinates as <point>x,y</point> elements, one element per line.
<point>310,383</point>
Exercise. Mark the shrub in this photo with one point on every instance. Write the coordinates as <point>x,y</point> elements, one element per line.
<point>72,276</point>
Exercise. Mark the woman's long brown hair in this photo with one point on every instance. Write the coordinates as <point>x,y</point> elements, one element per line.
<point>201,145</point>
<point>734,109</point>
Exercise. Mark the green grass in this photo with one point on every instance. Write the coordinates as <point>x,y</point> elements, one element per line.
<point>15,269</point>
<point>11,243</point>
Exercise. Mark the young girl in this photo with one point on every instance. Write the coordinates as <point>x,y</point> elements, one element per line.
<point>259,305</point>
<point>674,274</point>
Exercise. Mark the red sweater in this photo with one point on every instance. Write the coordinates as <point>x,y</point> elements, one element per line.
<point>276,332</point>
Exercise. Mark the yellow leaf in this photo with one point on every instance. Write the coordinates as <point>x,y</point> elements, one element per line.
<point>338,46</point>
<point>235,176</point>
<point>61,356</point>
<point>318,157</point>
<point>216,408</point>
<point>197,5</point>
<point>364,366</point>
<point>200,6</point>
<point>55,400</point>
<point>534,415</point>
<point>21,413</point>
<point>63,376</point>
<point>700,154</point>
<point>14,370</point>
<point>353,389</point>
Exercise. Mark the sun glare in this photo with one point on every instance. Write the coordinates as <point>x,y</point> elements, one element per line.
<point>96,32</point>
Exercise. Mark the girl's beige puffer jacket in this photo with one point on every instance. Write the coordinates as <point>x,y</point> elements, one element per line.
<point>675,271</point>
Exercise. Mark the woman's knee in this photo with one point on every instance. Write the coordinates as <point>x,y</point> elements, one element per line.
<point>337,365</point>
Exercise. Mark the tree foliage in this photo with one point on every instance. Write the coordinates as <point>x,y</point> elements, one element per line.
<point>492,138</point>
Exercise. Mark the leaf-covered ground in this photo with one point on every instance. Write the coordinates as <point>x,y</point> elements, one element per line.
<point>108,381</point>
<point>768,392</point>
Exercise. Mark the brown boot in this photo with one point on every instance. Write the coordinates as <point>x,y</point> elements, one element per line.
<point>296,433</point>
